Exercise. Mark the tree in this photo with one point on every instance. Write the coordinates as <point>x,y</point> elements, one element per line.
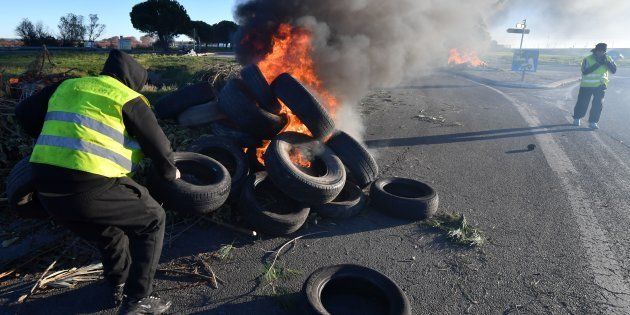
<point>224,31</point>
<point>201,32</point>
<point>34,35</point>
<point>71,29</point>
<point>26,31</point>
<point>147,40</point>
<point>164,18</point>
<point>94,29</point>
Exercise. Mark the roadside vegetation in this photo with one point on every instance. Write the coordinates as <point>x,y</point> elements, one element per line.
<point>173,69</point>
<point>568,58</point>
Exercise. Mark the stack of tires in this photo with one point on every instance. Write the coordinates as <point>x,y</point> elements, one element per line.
<point>191,105</point>
<point>277,197</point>
<point>274,199</point>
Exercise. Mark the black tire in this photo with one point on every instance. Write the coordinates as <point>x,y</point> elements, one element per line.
<point>362,167</point>
<point>21,192</point>
<point>404,198</point>
<point>173,104</point>
<point>203,188</point>
<point>303,105</point>
<point>353,289</point>
<point>229,154</point>
<point>267,209</point>
<point>349,203</point>
<point>200,115</point>
<point>240,107</point>
<point>225,130</point>
<point>316,185</point>
<point>260,88</point>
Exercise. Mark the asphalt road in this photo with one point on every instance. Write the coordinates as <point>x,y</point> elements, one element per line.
<point>556,219</point>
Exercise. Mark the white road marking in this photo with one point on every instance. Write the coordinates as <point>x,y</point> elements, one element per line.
<point>604,265</point>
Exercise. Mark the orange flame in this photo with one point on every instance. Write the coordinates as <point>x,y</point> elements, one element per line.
<point>292,53</point>
<point>466,58</point>
<point>300,159</point>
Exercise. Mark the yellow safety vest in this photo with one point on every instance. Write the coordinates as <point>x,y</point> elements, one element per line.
<point>598,77</point>
<point>84,129</point>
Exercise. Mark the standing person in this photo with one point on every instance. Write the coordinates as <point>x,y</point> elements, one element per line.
<point>595,71</point>
<point>90,133</point>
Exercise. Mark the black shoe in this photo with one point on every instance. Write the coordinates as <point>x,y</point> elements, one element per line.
<point>147,305</point>
<point>117,294</point>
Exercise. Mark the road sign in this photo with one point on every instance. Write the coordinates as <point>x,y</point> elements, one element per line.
<point>518,31</point>
<point>525,60</point>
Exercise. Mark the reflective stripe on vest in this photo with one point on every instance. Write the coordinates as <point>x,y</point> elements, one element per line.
<point>94,125</point>
<point>87,147</point>
<point>597,78</point>
<point>84,128</point>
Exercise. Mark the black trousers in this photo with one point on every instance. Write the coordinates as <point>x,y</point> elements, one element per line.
<point>584,99</point>
<point>125,223</point>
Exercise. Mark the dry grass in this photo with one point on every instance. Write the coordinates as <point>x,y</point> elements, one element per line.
<point>223,253</point>
<point>457,229</point>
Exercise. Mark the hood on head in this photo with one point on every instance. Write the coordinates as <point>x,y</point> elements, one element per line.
<point>127,70</point>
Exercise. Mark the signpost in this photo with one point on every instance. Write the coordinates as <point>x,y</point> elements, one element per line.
<point>521,28</point>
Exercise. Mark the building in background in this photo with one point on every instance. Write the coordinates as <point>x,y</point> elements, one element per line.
<point>124,43</point>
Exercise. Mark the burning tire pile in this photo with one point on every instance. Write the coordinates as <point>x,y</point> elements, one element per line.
<point>276,155</point>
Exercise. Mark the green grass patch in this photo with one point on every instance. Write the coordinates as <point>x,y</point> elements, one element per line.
<point>273,273</point>
<point>456,228</point>
<point>505,57</point>
<point>173,69</point>
<point>223,253</point>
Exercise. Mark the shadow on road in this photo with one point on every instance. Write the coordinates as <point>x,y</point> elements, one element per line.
<point>369,220</point>
<point>473,136</point>
<point>68,302</point>
<point>442,86</point>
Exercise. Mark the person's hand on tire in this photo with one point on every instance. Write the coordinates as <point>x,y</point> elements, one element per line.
<point>178,174</point>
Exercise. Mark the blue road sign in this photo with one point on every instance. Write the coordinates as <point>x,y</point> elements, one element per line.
<point>525,60</point>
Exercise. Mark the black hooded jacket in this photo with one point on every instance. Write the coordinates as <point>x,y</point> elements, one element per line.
<point>138,118</point>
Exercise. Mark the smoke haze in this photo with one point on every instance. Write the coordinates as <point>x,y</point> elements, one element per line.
<point>567,22</point>
<point>359,44</point>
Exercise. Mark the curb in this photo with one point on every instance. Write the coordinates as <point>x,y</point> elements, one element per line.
<point>549,86</point>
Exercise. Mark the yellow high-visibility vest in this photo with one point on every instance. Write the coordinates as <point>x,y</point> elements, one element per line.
<point>84,129</point>
<point>598,77</point>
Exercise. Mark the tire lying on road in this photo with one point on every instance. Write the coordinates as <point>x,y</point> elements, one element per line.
<point>362,167</point>
<point>317,184</point>
<point>200,115</point>
<point>260,88</point>
<point>21,192</point>
<point>349,203</point>
<point>353,289</point>
<point>173,104</point>
<point>229,154</point>
<point>226,130</point>
<point>267,209</point>
<point>204,185</point>
<point>236,101</point>
<point>303,105</point>
<point>404,198</point>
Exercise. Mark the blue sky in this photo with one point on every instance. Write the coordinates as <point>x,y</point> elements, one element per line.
<point>113,13</point>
